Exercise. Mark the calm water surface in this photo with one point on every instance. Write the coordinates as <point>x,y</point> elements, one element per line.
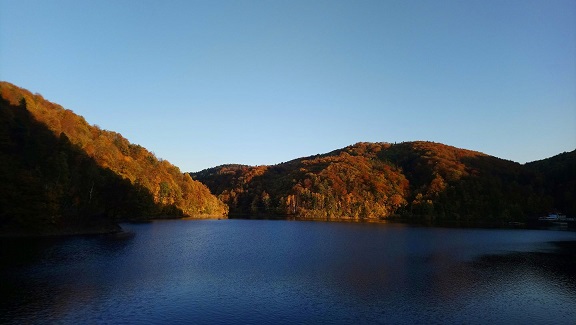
<point>263,271</point>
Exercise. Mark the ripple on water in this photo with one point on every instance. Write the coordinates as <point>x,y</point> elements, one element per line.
<point>234,271</point>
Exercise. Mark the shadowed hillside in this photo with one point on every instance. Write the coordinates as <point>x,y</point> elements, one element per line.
<point>421,181</point>
<point>558,173</point>
<point>60,174</point>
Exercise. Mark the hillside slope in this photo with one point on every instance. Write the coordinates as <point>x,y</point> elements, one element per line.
<point>60,174</point>
<point>559,176</point>
<point>365,181</point>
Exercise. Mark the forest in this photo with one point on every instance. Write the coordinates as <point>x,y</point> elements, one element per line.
<point>413,181</point>
<point>58,174</point>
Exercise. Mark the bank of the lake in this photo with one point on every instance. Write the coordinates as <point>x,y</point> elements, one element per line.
<point>86,229</point>
<point>66,231</point>
<point>531,223</point>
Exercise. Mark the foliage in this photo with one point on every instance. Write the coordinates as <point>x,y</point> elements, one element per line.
<point>423,181</point>
<point>558,174</point>
<point>56,170</point>
<point>55,166</point>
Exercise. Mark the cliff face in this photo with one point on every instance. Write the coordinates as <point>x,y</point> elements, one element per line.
<point>412,180</point>
<point>61,175</point>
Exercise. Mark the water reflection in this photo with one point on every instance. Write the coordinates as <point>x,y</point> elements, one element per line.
<point>45,278</point>
<point>240,271</point>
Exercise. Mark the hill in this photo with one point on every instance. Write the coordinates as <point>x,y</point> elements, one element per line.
<point>559,176</point>
<point>58,174</point>
<point>420,181</point>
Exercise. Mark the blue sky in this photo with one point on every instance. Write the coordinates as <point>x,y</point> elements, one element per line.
<point>204,83</point>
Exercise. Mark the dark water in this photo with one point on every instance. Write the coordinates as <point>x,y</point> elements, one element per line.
<point>252,272</point>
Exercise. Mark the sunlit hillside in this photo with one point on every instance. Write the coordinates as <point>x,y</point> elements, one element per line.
<point>423,181</point>
<point>59,171</point>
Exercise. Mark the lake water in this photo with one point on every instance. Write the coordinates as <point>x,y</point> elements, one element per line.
<point>274,272</point>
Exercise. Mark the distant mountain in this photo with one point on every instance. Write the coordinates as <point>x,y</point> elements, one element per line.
<point>58,174</point>
<point>422,181</point>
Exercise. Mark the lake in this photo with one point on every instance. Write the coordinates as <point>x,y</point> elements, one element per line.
<point>284,272</point>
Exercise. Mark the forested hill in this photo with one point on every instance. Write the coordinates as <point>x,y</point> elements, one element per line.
<point>58,174</point>
<point>412,180</point>
<point>559,175</point>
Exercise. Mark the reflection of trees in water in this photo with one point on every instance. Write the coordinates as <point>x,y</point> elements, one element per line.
<point>48,275</point>
<point>557,263</point>
<point>537,283</point>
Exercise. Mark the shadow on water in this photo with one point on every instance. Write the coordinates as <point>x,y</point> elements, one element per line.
<point>36,272</point>
<point>536,287</point>
<point>559,261</point>
<point>22,251</point>
<point>252,272</point>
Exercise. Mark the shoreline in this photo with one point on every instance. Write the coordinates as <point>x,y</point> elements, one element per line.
<point>532,224</point>
<point>69,232</point>
<point>116,229</point>
<point>109,229</point>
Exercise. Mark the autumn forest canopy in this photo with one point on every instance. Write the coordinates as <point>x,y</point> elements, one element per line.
<point>59,174</point>
<point>419,181</point>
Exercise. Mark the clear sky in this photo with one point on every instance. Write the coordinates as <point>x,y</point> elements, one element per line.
<point>205,83</point>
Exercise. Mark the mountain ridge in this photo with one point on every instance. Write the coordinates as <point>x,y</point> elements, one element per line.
<point>417,180</point>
